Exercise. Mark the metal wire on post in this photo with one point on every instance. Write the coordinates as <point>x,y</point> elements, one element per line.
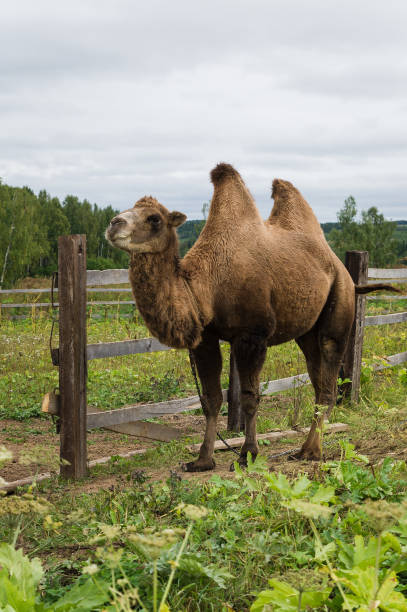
<point>54,318</point>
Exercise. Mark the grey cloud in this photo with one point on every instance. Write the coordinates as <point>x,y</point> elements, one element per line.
<point>114,100</point>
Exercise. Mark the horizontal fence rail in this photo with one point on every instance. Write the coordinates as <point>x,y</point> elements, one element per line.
<point>107,277</point>
<point>389,319</point>
<point>393,273</point>
<point>89,290</point>
<point>56,304</point>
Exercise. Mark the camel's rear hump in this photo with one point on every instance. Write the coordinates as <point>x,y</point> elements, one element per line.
<point>291,211</point>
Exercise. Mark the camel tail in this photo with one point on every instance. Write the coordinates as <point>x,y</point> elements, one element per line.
<point>361,289</point>
<point>221,172</point>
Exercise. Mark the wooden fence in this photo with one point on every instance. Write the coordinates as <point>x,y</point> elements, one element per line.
<point>73,354</point>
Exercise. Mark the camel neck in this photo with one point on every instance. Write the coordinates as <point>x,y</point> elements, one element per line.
<point>163,299</point>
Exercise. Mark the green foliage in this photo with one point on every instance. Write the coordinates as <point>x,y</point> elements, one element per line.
<point>188,234</point>
<point>20,587</point>
<point>355,483</point>
<point>285,598</point>
<point>260,525</point>
<point>23,238</point>
<point>373,233</point>
<point>192,546</point>
<point>30,226</point>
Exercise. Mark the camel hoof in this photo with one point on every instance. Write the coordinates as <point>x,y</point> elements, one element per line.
<point>242,461</point>
<point>306,454</point>
<point>199,466</point>
<point>243,464</point>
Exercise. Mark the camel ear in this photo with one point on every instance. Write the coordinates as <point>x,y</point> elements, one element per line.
<point>177,218</point>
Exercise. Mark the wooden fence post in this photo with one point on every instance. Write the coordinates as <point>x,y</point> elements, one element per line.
<point>235,413</point>
<point>356,263</point>
<point>72,354</point>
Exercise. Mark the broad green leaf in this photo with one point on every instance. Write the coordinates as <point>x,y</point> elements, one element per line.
<point>285,598</point>
<point>280,484</point>
<point>391,600</point>
<point>13,598</point>
<point>82,597</point>
<point>324,551</point>
<point>350,453</point>
<point>194,568</point>
<point>300,486</point>
<point>258,466</point>
<point>323,495</point>
<point>308,509</point>
<point>24,573</point>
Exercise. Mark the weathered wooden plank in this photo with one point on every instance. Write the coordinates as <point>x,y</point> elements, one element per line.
<point>140,451</point>
<point>145,429</point>
<point>356,263</point>
<point>72,354</point>
<point>398,281</point>
<point>89,290</point>
<point>273,436</point>
<point>386,297</point>
<point>111,303</point>
<point>139,412</point>
<point>392,360</point>
<point>12,486</point>
<point>108,290</point>
<point>124,347</point>
<point>397,317</point>
<point>154,431</point>
<point>27,305</point>
<point>56,304</point>
<point>283,384</point>
<point>107,277</point>
<point>381,273</point>
<point>11,291</point>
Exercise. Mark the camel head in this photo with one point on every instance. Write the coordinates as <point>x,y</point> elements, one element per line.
<point>148,227</point>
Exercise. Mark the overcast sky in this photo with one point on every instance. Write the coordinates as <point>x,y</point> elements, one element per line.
<point>112,100</point>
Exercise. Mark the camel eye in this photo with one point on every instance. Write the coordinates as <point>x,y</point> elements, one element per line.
<point>154,220</point>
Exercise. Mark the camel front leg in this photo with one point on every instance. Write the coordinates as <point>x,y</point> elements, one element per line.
<point>209,363</point>
<point>250,352</point>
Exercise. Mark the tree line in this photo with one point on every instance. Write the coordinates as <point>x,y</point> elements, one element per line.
<point>30,225</point>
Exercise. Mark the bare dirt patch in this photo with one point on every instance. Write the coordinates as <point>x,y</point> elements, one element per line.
<point>38,437</point>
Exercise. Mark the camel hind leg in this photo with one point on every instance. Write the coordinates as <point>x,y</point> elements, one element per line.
<point>324,347</point>
<point>209,363</point>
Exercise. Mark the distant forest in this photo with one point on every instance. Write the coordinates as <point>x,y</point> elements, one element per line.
<point>30,225</point>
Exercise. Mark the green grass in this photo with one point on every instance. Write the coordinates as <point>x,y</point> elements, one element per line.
<point>27,373</point>
<point>255,529</point>
<point>258,526</point>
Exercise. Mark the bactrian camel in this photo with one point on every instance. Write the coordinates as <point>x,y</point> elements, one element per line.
<point>250,282</point>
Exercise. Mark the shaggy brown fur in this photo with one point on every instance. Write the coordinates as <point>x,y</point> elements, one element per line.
<point>251,282</point>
